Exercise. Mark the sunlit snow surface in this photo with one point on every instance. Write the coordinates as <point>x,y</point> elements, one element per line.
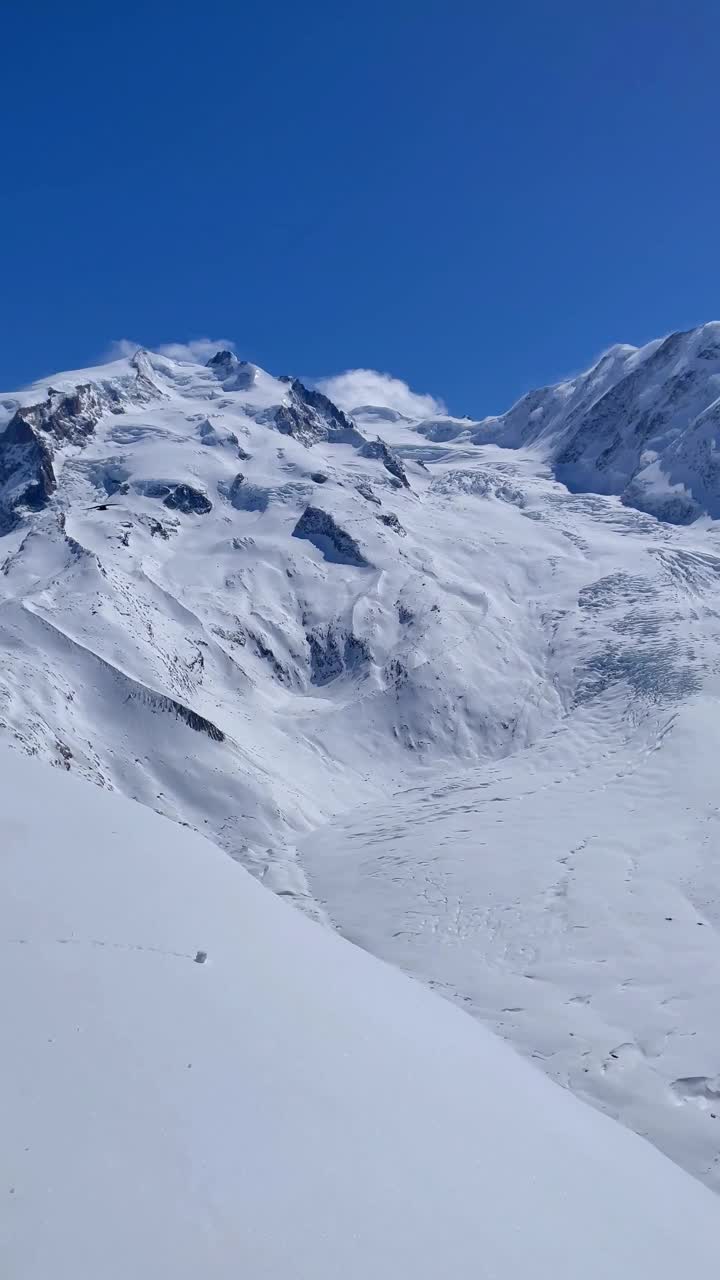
<point>489,730</point>
<point>288,1108</point>
<point>568,895</point>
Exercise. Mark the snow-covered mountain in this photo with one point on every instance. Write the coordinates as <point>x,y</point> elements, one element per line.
<point>286,1106</point>
<point>223,598</point>
<point>442,683</point>
<point>643,423</point>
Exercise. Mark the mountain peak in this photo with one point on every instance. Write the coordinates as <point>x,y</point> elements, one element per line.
<point>224,597</point>
<point>223,360</point>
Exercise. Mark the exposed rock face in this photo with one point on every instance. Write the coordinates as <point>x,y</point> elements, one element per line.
<point>188,500</point>
<point>337,546</point>
<point>72,417</point>
<point>234,490</point>
<point>333,652</point>
<point>27,477</point>
<point>366,491</point>
<point>212,438</point>
<point>308,416</point>
<point>234,374</point>
<point>26,471</point>
<point>176,497</point>
<point>378,449</point>
<point>246,497</point>
<point>390,519</point>
<point>223,363</point>
<point>35,431</point>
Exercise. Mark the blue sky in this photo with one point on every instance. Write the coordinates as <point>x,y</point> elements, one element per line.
<point>478,198</point>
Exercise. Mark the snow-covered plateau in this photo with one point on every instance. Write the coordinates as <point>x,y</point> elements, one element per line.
<point>451,688</point>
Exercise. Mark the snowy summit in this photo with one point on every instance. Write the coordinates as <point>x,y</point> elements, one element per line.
<point>448,688</point>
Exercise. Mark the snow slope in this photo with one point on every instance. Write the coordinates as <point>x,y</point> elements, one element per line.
<point>239,655</point>
<point>291,1107</point>
<point>405,676</point>
<point>568,894</point>
<point>643,423</point>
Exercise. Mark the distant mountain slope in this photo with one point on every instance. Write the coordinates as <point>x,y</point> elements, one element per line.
<point>198,1082</point>
<point>222,597</point>
<point>643,423</point>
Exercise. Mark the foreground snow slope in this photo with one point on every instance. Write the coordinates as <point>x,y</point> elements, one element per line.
<point>290,1108</point>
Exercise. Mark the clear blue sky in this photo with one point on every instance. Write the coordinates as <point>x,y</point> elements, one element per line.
<point>476,197</point>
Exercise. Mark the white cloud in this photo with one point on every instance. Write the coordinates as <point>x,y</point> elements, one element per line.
<point>118,349</point>
<point>198,350</point>
<point>357,387</point>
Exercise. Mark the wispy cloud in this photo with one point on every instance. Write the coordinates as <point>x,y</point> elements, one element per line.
<point>357,387</point>
<point>198,350</point>
<point>119,348</point>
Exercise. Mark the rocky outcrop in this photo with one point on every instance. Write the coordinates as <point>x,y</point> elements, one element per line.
<point>192,502</point>
<point>378,449</point>
<point>234,374</point>
<point>335,652</point>
<point>244,496</point>
<point>36,431</point>
<point>389,519</point>
<point>213,439</point>
<point>335,543</point>
<point>366,492</point>
<point>176,497</point>
<point>308,416</point>
<point>27,476</point>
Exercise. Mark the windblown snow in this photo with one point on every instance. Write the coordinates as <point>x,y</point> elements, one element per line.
<point>449,686</point>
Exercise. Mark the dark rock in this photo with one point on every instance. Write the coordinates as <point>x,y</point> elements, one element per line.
<point>188,500</point>
<point>245,496</point>
<point>222,361</point>
<point>378,449</point>
<point>195,721</point>
<point>390,519</point>
<point>213,439</point>
<point>27,477</point>
<point>333,652</point>
<point>264,651</point>
<point>318,477</point>
<point>337,546</point>
<point>235,375</point>
<point>70,417</point>
<point>156,527</point>
<point>308,416</point>
<point>366,492</point>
